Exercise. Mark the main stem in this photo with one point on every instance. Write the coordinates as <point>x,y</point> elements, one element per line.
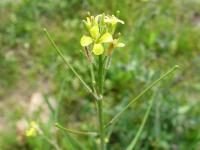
<point>99,102</point>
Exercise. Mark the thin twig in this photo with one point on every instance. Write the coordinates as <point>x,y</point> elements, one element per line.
<point>52,143</point>
<point>74,131</point>
<point>140,95</point>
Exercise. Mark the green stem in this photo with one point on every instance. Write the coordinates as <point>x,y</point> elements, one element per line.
<point>99,102</point>
<point>74,131</point>
<point>67,63</point>
<point>140,95</point>
<point>101,128</point>
<point>93,84</point>
<point>101,77</point>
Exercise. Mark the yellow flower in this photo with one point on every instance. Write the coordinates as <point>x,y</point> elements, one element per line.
<point>91,21</point>
<point>98,28</point>
<point>32,130</point>
<point>113,20</point>
<point>114,45</point>
<point>98,49</point>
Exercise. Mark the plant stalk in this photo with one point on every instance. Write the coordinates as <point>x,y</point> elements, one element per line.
<point>101,127</point>
<point>74,131</point>
<point>99,102</point>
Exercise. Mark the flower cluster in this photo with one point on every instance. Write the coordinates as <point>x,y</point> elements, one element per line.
<point>101,31</point>
<point>32,130</point>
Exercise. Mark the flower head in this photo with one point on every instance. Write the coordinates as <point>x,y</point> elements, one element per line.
<point>32,130</point>
<point>99,33</point>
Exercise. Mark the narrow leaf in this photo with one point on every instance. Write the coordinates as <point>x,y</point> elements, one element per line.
<point>139,132</point>
<point>118,115</point>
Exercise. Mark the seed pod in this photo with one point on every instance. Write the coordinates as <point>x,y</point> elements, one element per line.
<point>108,62</point>
<point>110,49</point>
<point>88,54</point>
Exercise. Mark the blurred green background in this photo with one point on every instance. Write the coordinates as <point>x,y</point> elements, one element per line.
<point>158,34</point>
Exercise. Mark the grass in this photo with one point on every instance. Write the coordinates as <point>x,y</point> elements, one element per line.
<point>157,34</point>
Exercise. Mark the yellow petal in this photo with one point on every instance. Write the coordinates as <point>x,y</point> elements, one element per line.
<point>85,40</point>
<point>88,21</point>
<point>31,132</point>
<point>98,49</point>
<point>96,20</point>
<point>106,38</point>
<point>113,20</point>
<point>120,45</point>
<point>94,31</point>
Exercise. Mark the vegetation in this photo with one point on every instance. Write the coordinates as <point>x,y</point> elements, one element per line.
<point>157,34</point>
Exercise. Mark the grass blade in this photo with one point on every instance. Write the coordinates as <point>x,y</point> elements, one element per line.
<point>116,117</point>
<point>144,120</point>
<point>59,99</point>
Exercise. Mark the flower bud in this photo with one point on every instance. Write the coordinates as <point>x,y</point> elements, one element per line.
<point>94,31</point>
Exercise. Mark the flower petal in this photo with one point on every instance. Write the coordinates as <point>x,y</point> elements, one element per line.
<point>94,31</point>
<point>120,45</point>
<point>106,38</point>
<point>113,20</point>
<point>120,21</point>
<point>96,19</point>
<point>98,49</point>
<point>86,40</point>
